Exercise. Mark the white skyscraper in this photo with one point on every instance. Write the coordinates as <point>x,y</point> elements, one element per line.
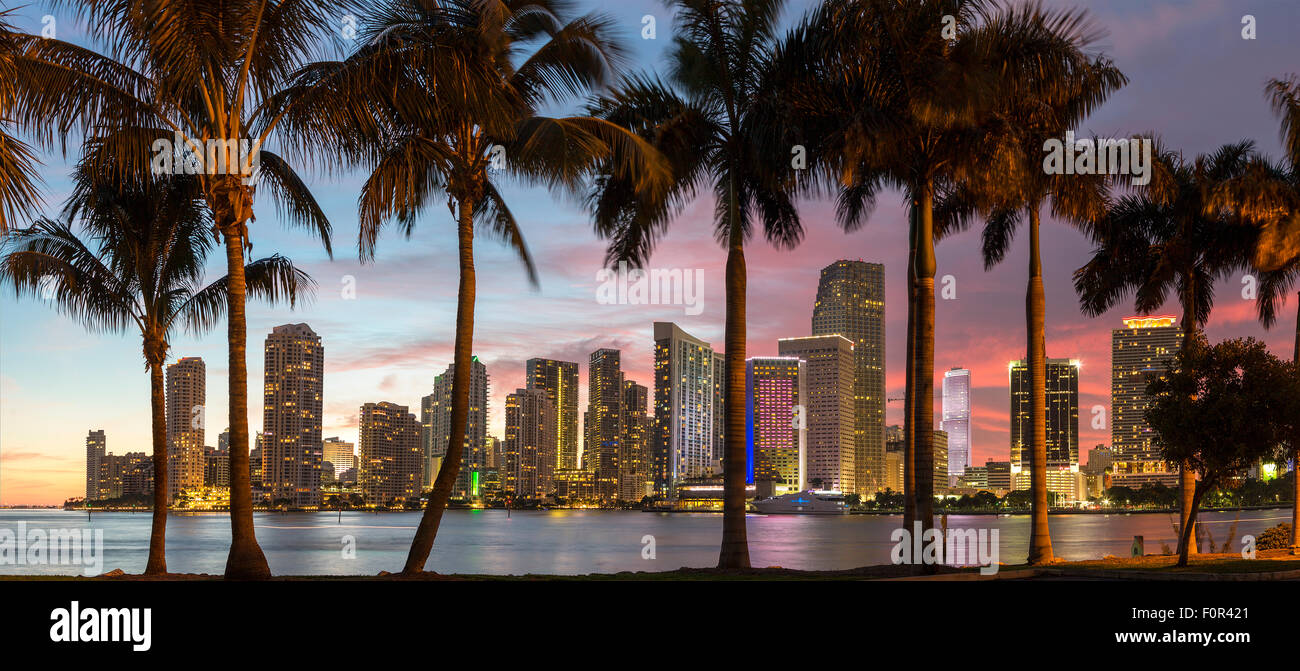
<point>685,403</point>
<point>956,420</point>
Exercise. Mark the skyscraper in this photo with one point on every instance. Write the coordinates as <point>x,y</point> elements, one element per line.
<point>830,367</point>
<point>851,303</point>
<point>1062,425</point>
<point>776,425</point>
<point>390,461</point>
<point>292,412</point>
<point>560,381</point>
<point>956,421</point>
<point>96,448</point>
<point>473,459</point>
<point>941,461</point>
<point>605,417</point>
<point>186,391</point>
<point>338,452</point>
<point>529,446</point>
<point>686,401</point>
<point>1138,352</point>
<point>634,454</point>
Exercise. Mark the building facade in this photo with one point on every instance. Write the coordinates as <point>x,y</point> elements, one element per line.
<point>186,387</point>
<point>1139,352</point>
<point>529,447</point>
<point>559,379</point>
<point>686,403</point>
<point>851,303</point>
<point>604,421</point>
<point>956,420</point>
<point>390,461</point>
<point>473,458</point>
<point>634,481</point>
<point>776,421</point>
<point>293,399</point>
<point>829,363</point>
<point>1062,385</point>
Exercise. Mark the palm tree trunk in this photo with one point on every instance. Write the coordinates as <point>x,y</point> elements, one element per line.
<point>157,564</point>
<point>1295,454</point>
<point>735,546</point>
<point>462,360</point>
<point>1186,541</point>
<point>1187,476</point>
<point>909,395</point>
<point>246,561</point>
<point>1040,539</point>
<point>923,408</point>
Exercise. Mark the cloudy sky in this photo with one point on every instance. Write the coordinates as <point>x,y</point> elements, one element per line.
<point>1194,80</point>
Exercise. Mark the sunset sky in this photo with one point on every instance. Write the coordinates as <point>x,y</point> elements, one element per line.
<point>1193,80</point>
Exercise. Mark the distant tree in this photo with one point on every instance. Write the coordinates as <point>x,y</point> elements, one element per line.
<point>1220,409</point>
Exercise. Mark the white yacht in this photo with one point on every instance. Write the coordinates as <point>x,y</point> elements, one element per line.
<point>811,502</point>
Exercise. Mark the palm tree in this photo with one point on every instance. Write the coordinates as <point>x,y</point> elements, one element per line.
<point>714,121</point>
<point>445,100</point>
<point>1166,237</point>
<point>193,76</point>
<point>891,99</point>
<point>1268,196</point>
<point>1014,195</point>
<point>139,263</point>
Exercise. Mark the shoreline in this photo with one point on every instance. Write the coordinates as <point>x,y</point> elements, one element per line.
<point>951,513</point>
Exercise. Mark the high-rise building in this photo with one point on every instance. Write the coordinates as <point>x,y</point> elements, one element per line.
<point>1100,458</point>
<point>529,445</point>
<point>605,421</point>
<point>1138,353</point>
<point>851,303</point>
<point>956,420</point>
<point>473,460</point>
<point>291,415</point>
<point>829,365</point>
<point>1062,379</point>
<point>775,421</point>
<point>634,452</point>
<point>941,457</point>
<point>560,381</point>
<point>390,461</point>
<point>686,400</point>
<point>186,389</point>
<point>339,453</point>
<point>96,448</point>
<point>894,464</point>
<point>216,467</point>
<point>999,475</point>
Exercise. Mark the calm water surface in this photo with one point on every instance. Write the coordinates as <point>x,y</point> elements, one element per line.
<point>586,541</point>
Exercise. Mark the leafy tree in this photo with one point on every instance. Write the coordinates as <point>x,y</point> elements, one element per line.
<point>1219,409</point>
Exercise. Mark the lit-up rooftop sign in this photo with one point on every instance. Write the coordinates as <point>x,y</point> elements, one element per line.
<point>1149,322</point>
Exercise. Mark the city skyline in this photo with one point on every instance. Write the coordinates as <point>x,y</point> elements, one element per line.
<point>392,339</point>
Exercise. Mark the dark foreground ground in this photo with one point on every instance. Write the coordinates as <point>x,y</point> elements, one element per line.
<point>1269,565</point>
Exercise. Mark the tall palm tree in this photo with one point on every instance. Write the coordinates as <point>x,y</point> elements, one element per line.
<point>445,101</point>
<point>1267,195</point>
<point>138,263</point>
<point>1014,194</point>
<point>713,120</point>
<point>892,99</point>
<point>193,74</point>
<point>1167,238</point>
